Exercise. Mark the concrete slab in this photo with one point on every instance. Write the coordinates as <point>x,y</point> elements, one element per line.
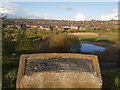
<point>58,70</point>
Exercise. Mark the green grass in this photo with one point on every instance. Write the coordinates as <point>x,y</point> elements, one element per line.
<point>9,72</point>
<point>117,80</point>
<point>9,78</point>
<point>108,37</point>
<point>109,79</point>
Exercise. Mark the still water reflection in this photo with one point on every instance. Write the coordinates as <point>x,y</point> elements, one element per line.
<point>86,47</point>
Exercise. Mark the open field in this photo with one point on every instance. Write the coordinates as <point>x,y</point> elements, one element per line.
<point>109,37</point>
<point>108,40</point>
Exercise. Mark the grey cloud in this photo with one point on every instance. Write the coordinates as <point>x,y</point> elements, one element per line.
<point>68,9</point>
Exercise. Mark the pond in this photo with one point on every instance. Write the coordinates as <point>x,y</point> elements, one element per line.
<point>86,47</point>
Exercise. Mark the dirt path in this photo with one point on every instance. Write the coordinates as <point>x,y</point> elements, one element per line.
<point>84,34</point>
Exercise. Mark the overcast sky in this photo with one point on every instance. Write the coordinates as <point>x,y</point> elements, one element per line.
<point>62,10</point>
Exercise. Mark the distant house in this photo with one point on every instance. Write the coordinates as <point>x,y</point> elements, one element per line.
<point>51,28</point>
<point>40,26</point>
<point>46,28</point>
<point>66,27</point>
<point>82,28</point>
<point>114,21</point>
<point>74,28</point>
<point>34,26</point>
<point>23,26</point>
<point>18,26</point>
<point>28,26</point>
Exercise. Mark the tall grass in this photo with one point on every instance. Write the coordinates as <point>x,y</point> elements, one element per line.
<point>62,42</point>
<point>9,72</point>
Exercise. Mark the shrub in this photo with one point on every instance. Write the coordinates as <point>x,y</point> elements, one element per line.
<point>62,42</point>
<point>9,79</point>
<point>8,45</point>
<point>117,81</point>
<point>41,33</point>
<point>22,42</point>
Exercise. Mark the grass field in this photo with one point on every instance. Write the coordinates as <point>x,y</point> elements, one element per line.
<point>110,37</point>
<point>10,65</point>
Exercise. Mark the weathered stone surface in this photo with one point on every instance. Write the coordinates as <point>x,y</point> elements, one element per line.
<point>59,64</point>
<point>58,70</point>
